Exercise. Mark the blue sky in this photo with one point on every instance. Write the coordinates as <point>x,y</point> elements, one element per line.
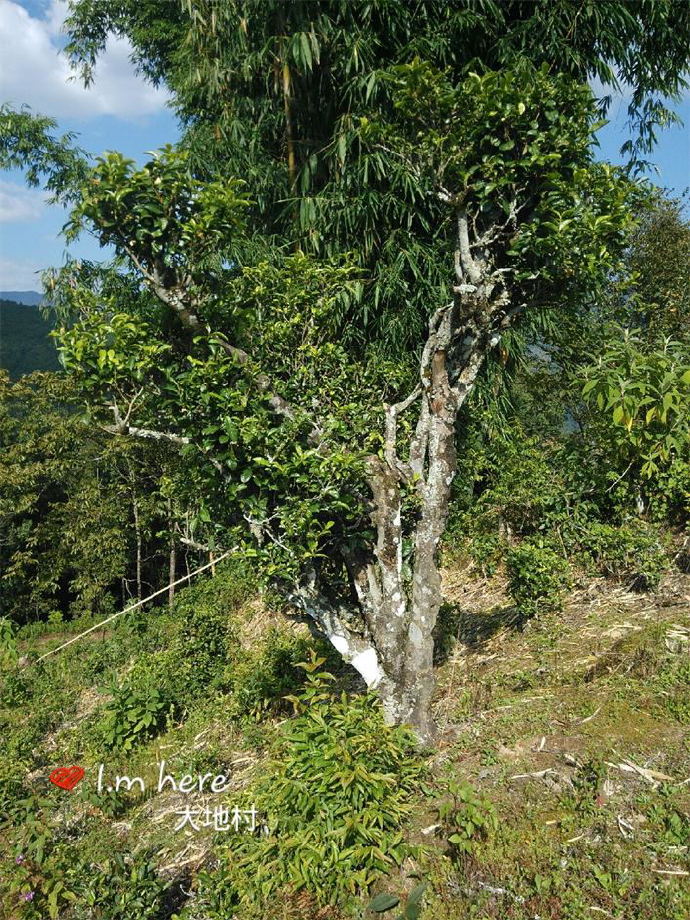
<point>118,112</point>
<point>671,156</point>
<point>121,112</point>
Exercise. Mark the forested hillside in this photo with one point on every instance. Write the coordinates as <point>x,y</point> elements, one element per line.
<point>345,564</point>
<point>25,343</point>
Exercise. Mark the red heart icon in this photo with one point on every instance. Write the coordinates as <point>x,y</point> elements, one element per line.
<point>67,777</point>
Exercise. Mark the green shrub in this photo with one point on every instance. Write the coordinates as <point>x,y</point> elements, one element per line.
<point>632,552</point>
<point>98,659</point>
<point>671,499</point>
<point>204,629</point>
<point>201,647</point>
<point>231,586</point>
<point>538,578</point>
<point>335,801</point>
<point>508,486</point>
<point>466,817</point>
<point>136,713</point>
<point>14,687</point>
<point>53,878</point>
<point>181,657</point>
<point>121,889</point>
<point>8,644</point>
<point>639,417</point>
<point>41,884</point>
<point>486,551</point>
<point>23,728</point>
<point>260,677</point>
<point>515,481</point>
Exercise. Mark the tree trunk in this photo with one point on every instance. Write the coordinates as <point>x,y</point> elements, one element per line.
<point>137,531</point>
<point>137,528</point>
<point>172,558</point>
<point>388,635</point>
<point>394,651</point>
<point>286,84</point>
<point>172,571</point>
<point>407,644</point>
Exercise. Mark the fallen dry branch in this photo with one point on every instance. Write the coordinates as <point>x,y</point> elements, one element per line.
<point>651,776</point>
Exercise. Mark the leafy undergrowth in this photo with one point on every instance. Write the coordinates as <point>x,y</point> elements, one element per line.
<point>559,787</point>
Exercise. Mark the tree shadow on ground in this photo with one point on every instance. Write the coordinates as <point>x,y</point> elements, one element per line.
<point>176,895</point>
<point>471,628</point>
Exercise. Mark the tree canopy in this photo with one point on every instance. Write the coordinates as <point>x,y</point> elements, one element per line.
<point>274,93</point>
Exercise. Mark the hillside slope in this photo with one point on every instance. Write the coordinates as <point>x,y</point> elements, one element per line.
<point>559,787</point>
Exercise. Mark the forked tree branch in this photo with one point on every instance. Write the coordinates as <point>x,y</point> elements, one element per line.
<point>122,426</point>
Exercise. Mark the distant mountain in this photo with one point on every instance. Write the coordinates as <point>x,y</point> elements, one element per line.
<point>25,345</point>
<point>31,298</point>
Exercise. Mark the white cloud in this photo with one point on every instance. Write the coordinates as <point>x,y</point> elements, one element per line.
<point>18,203</point>
<point>20,275</point>
<point>36,73</point>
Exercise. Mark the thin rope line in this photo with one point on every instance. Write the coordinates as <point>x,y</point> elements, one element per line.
<point>134,606</point>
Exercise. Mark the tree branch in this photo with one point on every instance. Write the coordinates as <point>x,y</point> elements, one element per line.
<point>467,263</point>
<point>391,426</point>
<point>121,426</point>
<point>175,301</point>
